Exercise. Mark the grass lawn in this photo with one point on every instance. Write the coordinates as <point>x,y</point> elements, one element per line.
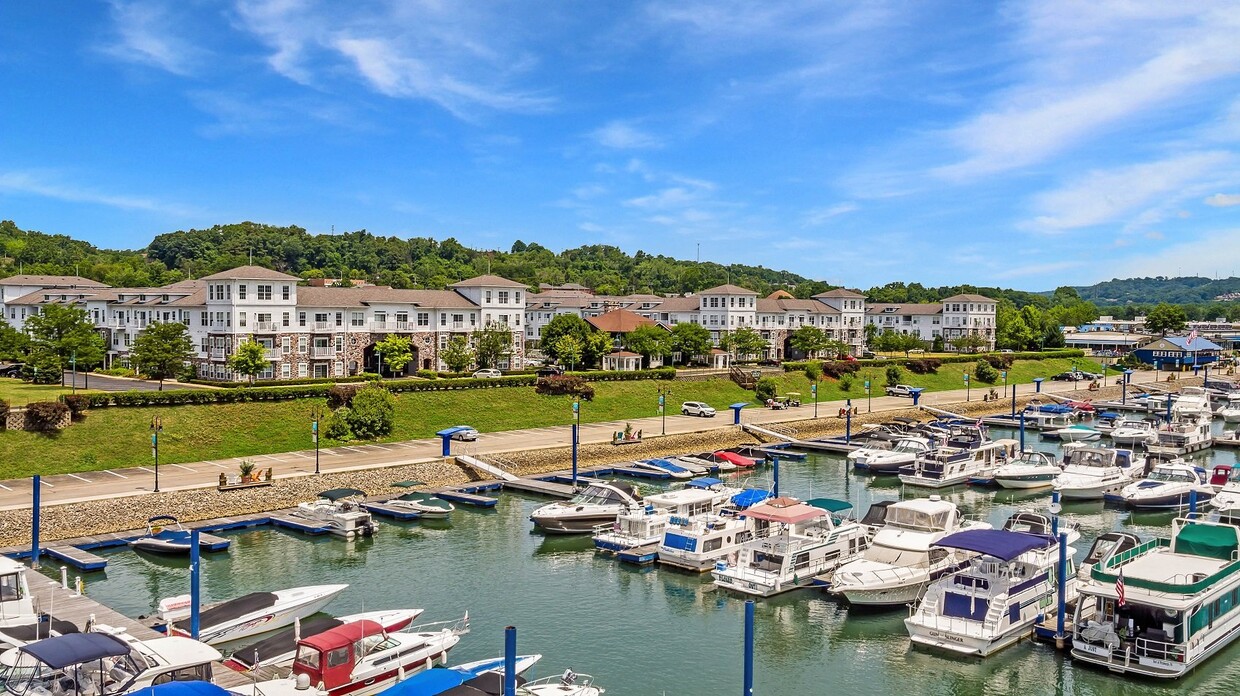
<point>19,393</point>
<point>120,437</point>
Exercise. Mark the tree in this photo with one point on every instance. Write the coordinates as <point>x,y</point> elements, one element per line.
<point>162,351</point>
<point>690,339</point>
<point>14,345</point>
<point>372,412</point>
<point>886,342</point>
<point>936,345</point>
<point>395,351</point>
<point>650,341</point>
<point>492,344</point>
<point>66,333</point>
<point>1011,331</point>
<point>597,345</point>
<point>810,340</point>
<point>894,373</point>
<point>985,372</point>
<point>870,331</point>
<point>564,325</point>
<point>457,354</point>
<point>744,342</point>
<point>1166,318</point>
<point>569,349</point>
<point>907,342</point>
<point>969,343</point>
<point>249,360</point>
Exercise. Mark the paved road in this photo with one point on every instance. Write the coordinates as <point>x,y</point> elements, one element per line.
<point>105,383</point>
<point>64,488</point>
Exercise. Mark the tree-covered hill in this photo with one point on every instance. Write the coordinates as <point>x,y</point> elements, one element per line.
<point>1190,290</point>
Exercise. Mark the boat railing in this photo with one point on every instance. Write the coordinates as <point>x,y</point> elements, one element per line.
<point>570,683</point>
<point>1160,650</point>
<point>458,626</point>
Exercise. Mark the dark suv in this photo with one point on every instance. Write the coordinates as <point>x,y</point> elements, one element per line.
<point>550,371</point>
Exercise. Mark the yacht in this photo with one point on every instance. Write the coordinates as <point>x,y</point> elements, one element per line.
<point>996,599</point>
<point>902,558</point>
<point>1192,402</point>
<point>601,501</point>
<point>1092,473</point>
<point>1130,432</point>
<point>248,615</point>
<point>342,515</point>
<point>1078,432</point>
<point>1185,434</point>
<point>1230,412</point>
<point>1178,603</point>
<point>889,460</point>
<point>948,466</point>
<point>19,621</point>
<point>698,544</point>
<point>1031,470</point>
<point>1170,485</point>
<point>793,541</point>
<point>645,526</point>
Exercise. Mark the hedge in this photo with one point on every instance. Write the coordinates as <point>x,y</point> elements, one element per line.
<point>799,365</point>
<point>588,375</point>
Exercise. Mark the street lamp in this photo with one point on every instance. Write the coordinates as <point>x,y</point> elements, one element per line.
<point>73,363</point>
<point>813,390</point>
<point>663,394</point>
<point>968,388</point>
<point>576,423</point>
<point>157,426</point>
<point>1005,384</point>
<point>316,417</point>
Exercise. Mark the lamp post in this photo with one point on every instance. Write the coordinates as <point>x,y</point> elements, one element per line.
<point>968,388</point>
<point>157,426</point>
<point>813,390</point>
<point>869,398</point>
<point>663,394</point>
<point>316,417</point>
<point>576,422</point>
<point>73,363</point>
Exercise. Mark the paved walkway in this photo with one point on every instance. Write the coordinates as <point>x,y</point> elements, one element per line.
<point>93,485</point>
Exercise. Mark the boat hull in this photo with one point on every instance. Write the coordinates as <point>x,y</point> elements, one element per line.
<point>555,524</point>
<point>1171,501</point>
<point>930,637</point>
<point>1025,482</point>
<point>159,546</point>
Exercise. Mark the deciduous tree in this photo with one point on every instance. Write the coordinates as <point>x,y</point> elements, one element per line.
<point>250,360</point>
<point>492,344</point>
<point>457,354</point>
<point>161,351</point>
<point>395,351</point>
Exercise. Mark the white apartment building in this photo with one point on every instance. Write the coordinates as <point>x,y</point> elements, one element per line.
<point>953,317</point>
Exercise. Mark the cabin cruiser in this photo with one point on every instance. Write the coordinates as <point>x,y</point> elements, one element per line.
<point>1230,412</point>
<point>601,501</point>
<point>1164,607</point>
<point>1129,432</point>
<point>280,648</point>
<point>698,544</point>
<point>1041,524</point>
<point>426,505</point>
<point>1031,470</point>
<point>360,659</point>
<point>1106,547</point>
<point>1049,416</point>
<point>646,526</point>
<point>996,599</point>
<point>793,541</point>
<point>1192,402</point>
<point>901,558</point>
<point>889,460</point>
<point>1171,485</point>
<point>948,466</point>
<point>1183,435</point>
<point>248,615</point>
<point>104,662</point>
<point>1078,432</point>
<point>19,621</point>
<point>342,516</point>
<point>1092,473</point>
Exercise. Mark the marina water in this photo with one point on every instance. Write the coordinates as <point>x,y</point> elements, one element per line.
<point>651,631</point>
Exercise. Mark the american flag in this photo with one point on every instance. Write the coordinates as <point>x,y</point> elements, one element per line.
<point>1119,587</point>
<point>1192,336</point>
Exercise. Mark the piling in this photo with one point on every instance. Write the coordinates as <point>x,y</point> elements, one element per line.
<point>510,661</point>
<point>748,685</point>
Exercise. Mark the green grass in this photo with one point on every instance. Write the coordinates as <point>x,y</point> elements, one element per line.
<point>19,393</point>
<point>120,437</point>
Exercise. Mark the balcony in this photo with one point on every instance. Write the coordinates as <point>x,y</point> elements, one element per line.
<point>457,325</point>
<point>321,352</point>
<point>266,327</point>
<point>273,353</point>
<point>324,326</point>
<point>218,354</point>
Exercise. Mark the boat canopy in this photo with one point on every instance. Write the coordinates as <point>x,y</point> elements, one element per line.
<point>1054,408</point>
<point>339,493</point>
<point>704,482</point>
<point>749,497</point>
<point>1207,540</point>
<point>785,511</point>
<point>830,504</point>
<point>431,682</point>
<point>408,484</point>
<point>183,688</point>
<point>76,648</point>
<point>994,542</point>
<point>343,636</point>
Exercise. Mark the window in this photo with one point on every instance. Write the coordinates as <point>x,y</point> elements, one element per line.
<point>503,297</point>
<point>357,318</point>
<point>424,318</point>
<point>381,317</point>
<point>203,318</point>
<point>284,292</point>
<point>303,343</point>
<point>443,319</point>
<point>339,318</point>
<point>210,292</point>
<point>286,370</point>
<point>263,318</point>
<point>241,319</point>
<point>516,297</point>
<point>303,369</point>
<point>286,346</point>
<point>264,292</point>
<point>488,297</point>
<point>241,291</point>
<point>338,369</point>
<point>284,319</point>
<point>301,318</point>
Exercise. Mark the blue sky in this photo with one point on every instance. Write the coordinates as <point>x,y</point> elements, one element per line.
<point>1024,144</point>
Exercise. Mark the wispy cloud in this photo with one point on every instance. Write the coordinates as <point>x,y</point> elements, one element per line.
<point>1185,258</point>
<point>1223,200</point>
<point>1035,269</point>
<point>37,184</point>
<point>623,135</point>
<point>817,217</point>
<point>147,34</point>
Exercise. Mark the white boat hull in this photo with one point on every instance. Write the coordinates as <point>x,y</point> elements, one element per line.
<point>291,605</point>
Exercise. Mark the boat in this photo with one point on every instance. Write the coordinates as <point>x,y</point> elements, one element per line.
<point>360,659</point>
<point>601,501</point>
<point>104,662</point>
<point>280,648</point>
<point>1227,498</point>
<point>793,542</point>
<point>698,544</point>
<point>569,683</point>
<point>1041,524</point>
<point>901,558</point>
<point>1092,473</point>
<point>710,461</point>
<point>1178,603</point>
<point>1077,432</point>
<point>663,466</point>
<point>694,465</point>
<point>1029,471</point>
<point>342,516</point>
<point>165,535</point>
<point>19,622</point>
<point>478,677</point>
<point>1130,432</point>
<point>1185,434</point>
<point>1049,416</point>
<point>1230,412</point>
<point>1104,548</point>
<point>1192,402</point>
<point>1171,485</point>
<point>949,466</point>
<point>426,505</point>
<point>889,460</point>
<point>736,460</point>
<point>996,600</point>
<point>248,615</point>
<point>643,527</point>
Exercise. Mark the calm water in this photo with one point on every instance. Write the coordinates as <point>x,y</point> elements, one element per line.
<point>647,631</point>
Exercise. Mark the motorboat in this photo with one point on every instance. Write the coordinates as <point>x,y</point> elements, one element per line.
<point>1092,473</point>
<point>1049,416</point>
<point>1192,402</point>
<point>1131,432</point>
<point>1227,498</point>
<point>248,615</point>
<point>903,453</point>
<point>279,649</point>
<point>1163,608</point>
<point>338,510</point>
<point>709,460</point>
<point>600,502</point>
<point>737,460</point>
<point>1104,548</point>
<point>793,542</point>
<point>1171,485</point>
<point>1041,524</point>
<point>1031,470</point>
<point>20,623</point>
<point>426,505</point>
<point>164,535</point>
<point>1077,432</point>
<point>698,544</point>
<point>646,526</point>
<point>569,683</point>
<point>103,663</point>
<point>663,466</point>
<point>360,659</point>
<point>901,558</point>
<point>949,466</point>
<point>478,677</point>
<point>994,601</point>
<point>695,466</point>
<point>1184,434</point>
<point>1230,412</point>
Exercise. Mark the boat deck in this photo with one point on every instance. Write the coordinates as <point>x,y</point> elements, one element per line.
<point>300,524</point>
<point>393,511</point>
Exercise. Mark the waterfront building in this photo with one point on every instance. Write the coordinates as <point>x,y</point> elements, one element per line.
<point>1176,353</point>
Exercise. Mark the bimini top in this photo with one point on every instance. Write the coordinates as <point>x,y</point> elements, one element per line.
<point>830,504</point>
<point>785,511</point>
<point>340,493</point>
<point>749,497</point>
<point>342,636</point>
<point>704,482</point>
<point>998,543</point>
<point>183,688</point>
<point>74,649</point>
<point>442,681</point>
<point>1053,408</point>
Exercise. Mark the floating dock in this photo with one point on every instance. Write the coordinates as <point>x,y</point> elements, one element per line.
<point>639,555</point>
<point>542,487</point>
<point>301,525</point>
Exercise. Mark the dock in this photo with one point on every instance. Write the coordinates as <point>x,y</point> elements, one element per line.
<point>78,558</point>
<point>639,555</point>
<point>78,552</point>
<point>301,525</point>
<point>65,605</point>
<point>541,487</point>
<point>1227,442</point>
<point>836,445</point>
<point>468,494</point>
<point>641,473</point>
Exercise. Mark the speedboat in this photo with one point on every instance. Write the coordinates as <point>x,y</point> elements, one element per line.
<point>426,505</point>
<point>903,453</point>
<point>1092,473</point>
<point>902,559</point>
<point>280,648</point>
<point>793,542</point>
<point>1029,471</point>
<point>1230,412</point>
<point>164,535</point>
<point>105,662</point>
<point>478,677</point>
<point>569,683</point>
<point>600,502</point>
<point>737,460</point>
<point>996,599</point>
<point>645,526</point>
<point>249,615</point>
<point>698,544</point>
<point>948,466</point>
<point>360,659</point>
<point>695,466</point>
<point>343,516</point>
<point>1129,432</point>
<point>708,460</point>
<point>1073,433</point>
<point>663,466</point>
<point>19,622</point>
<point>1171,485</point>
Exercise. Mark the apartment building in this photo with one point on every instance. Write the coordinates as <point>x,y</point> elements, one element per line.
<point>955,316</point>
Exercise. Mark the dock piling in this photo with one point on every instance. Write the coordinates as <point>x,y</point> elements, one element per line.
<point>848,421</point>
<point>1063,586</point>
<point>748,685</point>
<point>1192,502</point>
<point>34,523</point>
<point>195,583</point>
<point>1022,431</point>
<point>510,661</point>
<point>64,577</point>
<point>775,474</point>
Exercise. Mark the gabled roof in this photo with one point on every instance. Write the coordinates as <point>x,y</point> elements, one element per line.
<point>839,292</point>
<point>623,354</point>
<point>727,290</point>
<point>680,304</point>
<point>53,281</point>
<point>969,298</point>
<point>780,295</point>
<point>904,309</point>
<point>487,281</point>
<point>619,321</point>
<point>250,273</point>
<point>1181,342</point>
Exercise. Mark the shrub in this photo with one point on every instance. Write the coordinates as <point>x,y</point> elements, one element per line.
<point>985,372</point>
<point>999,362</point>
<point>372,412</point>
<point>336,426</point>
<point>4,412</point>
<point>894,374</point>
<point>45,415</point>
<point>77,403</point>
<point>117,371</point>
<point>766,388</point>
<point>846,382</point>
<point>813,371</point>
<point>428,374</point>
<point>839,368</point>
<point>923,366</point>
<point>564,384</point>
<point>341,395</point>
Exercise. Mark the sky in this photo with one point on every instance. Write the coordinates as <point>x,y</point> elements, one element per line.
<point>1025,144</point>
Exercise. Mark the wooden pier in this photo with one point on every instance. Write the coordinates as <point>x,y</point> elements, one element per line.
<point>65,605</point>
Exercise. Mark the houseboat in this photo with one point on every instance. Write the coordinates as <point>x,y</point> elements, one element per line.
<point>1185,434</point>
<point>949,466</point>
<point>645,526</point>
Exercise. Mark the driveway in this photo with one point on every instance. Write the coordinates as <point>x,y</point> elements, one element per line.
<point>104,383</point>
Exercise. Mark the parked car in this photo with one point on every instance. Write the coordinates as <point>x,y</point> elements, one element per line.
<point>1007,350</point>
<point>1069,377</point>
<point>488,373</point>
<point>917,351</point>
<point>466,435</point>
<point>900,390</point>
<point>550,371</point>
<point>697,408</point>
<point>869,354</point>
<point>14,370</point>
<point>768,362</point>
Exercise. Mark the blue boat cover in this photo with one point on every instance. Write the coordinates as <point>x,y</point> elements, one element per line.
<point>1054,408</point>
<point>750,496</point>
<point>183,688</point>
<point>704,482</point>
<point>61,651</point>
<point>998,543</point>
<point>429,682</point>
<point>666,465</point>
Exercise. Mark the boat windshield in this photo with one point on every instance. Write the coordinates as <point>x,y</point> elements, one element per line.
<point>1161,474</point>
<point>909,446</point>
<point>308,657</point>
<point>1088,458</point>
<point>109,675</point>
<point>917,519</point>
<point>596,495</point>
<point>881,553</point>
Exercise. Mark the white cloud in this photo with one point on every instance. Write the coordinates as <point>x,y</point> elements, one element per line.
<point>622,135</point>
<point>672,197</point>
<point>146,34</point>
<point>1207,255</point>
<point>1223,200</point>
<point>819,216</point>
<point>1038,269</point>
<point>287,26</point>
<point>28,183</point>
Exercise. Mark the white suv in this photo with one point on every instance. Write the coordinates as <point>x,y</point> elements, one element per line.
<point>900,390</point>
<point>488,373</point>
<point>697,408</point>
